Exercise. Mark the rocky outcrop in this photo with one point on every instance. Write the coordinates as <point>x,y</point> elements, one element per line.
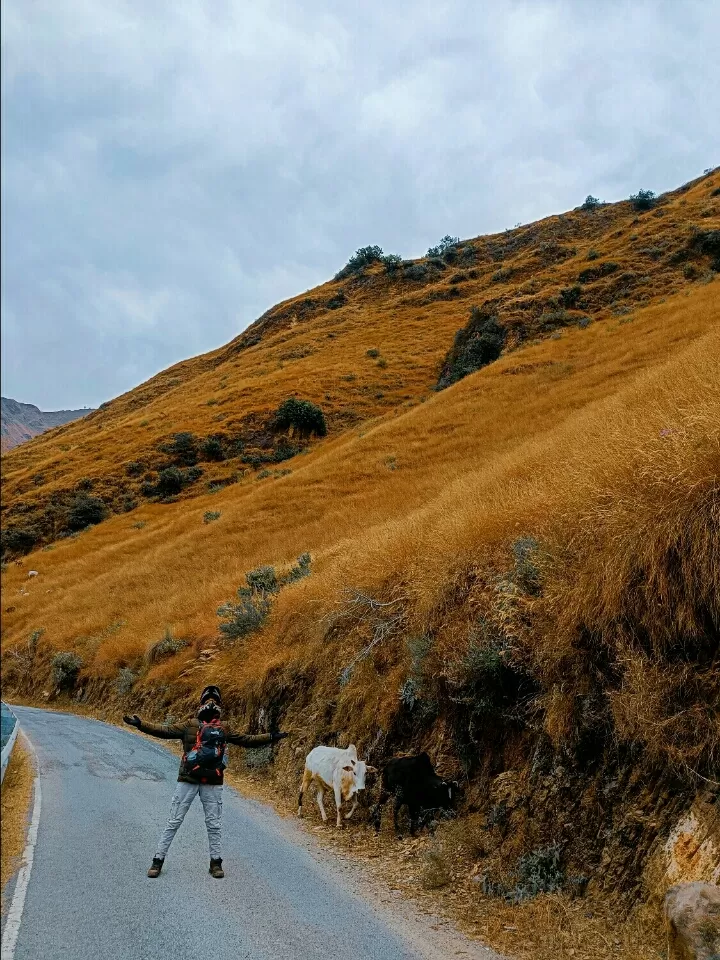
<point>692,916</point>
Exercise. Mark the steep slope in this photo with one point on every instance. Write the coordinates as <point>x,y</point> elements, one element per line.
<point>23,421</point>
<point>519,573</point>
<point>363,346</point>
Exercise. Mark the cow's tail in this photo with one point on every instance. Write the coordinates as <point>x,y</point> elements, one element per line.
<point>307,777</point>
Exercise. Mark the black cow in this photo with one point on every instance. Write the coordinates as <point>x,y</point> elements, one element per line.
<point>414,783</point>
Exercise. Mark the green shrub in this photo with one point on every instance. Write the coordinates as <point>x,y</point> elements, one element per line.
<point>65,669</point>
<point>18,539</point>
<point>392,262</point>
<point>373,354</point>
<point>504,273</point>
<point>596,273</point>
<point>475,346</point>
<point>133,468</point>
<point>362,257</point>
<point>707,243</point>
<point>413,692</point>
<point>539,871</point>
<point>182,448</point>
<point>643,200</point>
<point>262,580</point>
<point>415,271</point>
<point>211,449</point>
<point>447,243</point>
<point>167,647</point>
<point>591,203</point>
<point>339,300</point>
<point>569,296</point>
<point>552,319</point>
<point>85,483</point>
<point>211,515</point>
<point>170,481</point>
<point>284,451</point>
<point>458,277</point>
<point>86,511</point>
<point>526,575</point>
<point>125,681</point>
<point>243,618</point>
<point>305,416</point>
<point>297,572</point>
<point>191,475</point>
<point>592,254</point>
<point>255,599</point>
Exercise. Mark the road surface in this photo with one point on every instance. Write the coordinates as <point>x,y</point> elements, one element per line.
<point>105,798</point>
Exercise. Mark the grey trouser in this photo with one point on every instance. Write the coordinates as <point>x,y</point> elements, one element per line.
<point>211,799</point>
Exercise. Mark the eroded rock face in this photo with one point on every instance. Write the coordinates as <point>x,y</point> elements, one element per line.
<point>692,916</point>
<point>693,848</point>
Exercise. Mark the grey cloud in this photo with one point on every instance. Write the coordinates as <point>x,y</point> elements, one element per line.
<point>171,170</point>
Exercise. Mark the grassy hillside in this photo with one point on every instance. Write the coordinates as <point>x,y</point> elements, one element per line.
<point>520,572</point>
<point>362,347</point>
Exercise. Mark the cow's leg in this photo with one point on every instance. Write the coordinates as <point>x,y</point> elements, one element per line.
<point>399,802</point>
<point>319,797</point>
<point>413,814</point>
<point>337,786</point>
<point>307,777</point>
<point>376,812</point>
<point>353,808</point>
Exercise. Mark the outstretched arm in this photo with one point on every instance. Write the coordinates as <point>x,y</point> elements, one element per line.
<point>161,731</point>
<point>254,740</point>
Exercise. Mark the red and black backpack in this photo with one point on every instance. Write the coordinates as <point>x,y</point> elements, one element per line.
<point>209,755</point>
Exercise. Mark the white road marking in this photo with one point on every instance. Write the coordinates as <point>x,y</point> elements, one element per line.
<point>14,916</point>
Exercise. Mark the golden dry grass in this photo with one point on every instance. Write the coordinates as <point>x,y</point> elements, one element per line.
<point>552,440</point>
<point>17,791</point>
<point>323,352</point>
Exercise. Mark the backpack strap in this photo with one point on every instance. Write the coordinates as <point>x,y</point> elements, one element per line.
<point>198,742</point>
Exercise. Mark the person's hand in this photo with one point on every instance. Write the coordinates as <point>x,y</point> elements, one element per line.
<point>278,736</point>
<point>133,720</point>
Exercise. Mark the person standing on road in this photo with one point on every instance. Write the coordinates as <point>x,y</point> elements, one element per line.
<point>203,762</point>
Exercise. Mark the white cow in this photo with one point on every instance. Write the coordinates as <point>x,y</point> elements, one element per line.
<point>339,770</point>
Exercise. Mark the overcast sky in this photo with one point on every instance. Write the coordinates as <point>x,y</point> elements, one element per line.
<point>172,169</point>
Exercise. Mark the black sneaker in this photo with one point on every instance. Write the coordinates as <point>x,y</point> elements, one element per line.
<point>156,867</point>
<point>216,869</point>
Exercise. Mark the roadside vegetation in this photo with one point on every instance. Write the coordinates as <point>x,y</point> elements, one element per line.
<point>17,792</point>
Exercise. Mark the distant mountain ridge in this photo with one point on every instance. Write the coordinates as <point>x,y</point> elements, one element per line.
<point>23,421</point>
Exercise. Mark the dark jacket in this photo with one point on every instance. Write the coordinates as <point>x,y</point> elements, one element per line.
<point>187,732</point>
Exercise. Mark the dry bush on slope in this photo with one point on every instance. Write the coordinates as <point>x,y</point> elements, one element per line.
<point>627,515</point>
<point>632,599</point>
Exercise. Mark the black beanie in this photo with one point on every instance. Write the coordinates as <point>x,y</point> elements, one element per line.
<point>211,693</point>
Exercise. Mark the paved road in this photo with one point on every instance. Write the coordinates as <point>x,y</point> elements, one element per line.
<point>105,798</point>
